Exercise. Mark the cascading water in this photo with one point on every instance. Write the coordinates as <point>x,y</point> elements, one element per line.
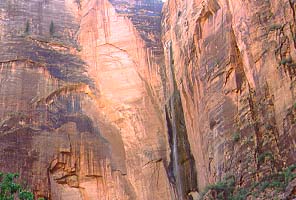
<point>175,157</point>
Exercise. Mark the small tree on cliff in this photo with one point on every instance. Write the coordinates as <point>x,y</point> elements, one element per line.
<point>10,190</point>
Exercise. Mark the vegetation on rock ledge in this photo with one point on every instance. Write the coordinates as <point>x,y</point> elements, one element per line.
<point>10,190</point>
<point>225,189</point>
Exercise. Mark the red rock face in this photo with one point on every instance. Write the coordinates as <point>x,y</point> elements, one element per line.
<point>104,100</point>
<point>78,117</point>
<point>234,65</point>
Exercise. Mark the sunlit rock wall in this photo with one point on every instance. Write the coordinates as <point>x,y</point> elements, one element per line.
<point>78,119</point>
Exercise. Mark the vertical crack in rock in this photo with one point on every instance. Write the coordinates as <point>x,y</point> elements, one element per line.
<point>181,169</point>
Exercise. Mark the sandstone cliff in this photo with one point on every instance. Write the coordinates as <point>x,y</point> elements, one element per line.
<point>233,63</point>
<point>114,99</point>
<point>78,120</point>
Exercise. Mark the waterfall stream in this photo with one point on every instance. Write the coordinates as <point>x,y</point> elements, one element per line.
<point>176,169</point>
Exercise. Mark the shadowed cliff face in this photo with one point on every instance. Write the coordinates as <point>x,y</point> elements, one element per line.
<point>234,63</point>
<point>78,119</point>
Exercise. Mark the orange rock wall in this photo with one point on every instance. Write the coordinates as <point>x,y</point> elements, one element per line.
<point>234,65</point>
<point>105,100</point>
<point>77,117</point>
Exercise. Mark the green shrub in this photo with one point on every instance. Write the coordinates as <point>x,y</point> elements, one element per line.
<point>294,106</point>
<point>263,186</point>
<point>264,155</point>
<point>225,189</point>
<point>275,27</point>
<point>287,60</point>
<point>236,137</point>
<point>9,189</point>
<point>240,195</point>
<point>276,184</point>
<point>288,174</point>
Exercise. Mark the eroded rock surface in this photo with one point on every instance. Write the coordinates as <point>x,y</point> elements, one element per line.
<point>78,120</point>
<point>234,66</point>
<point>104,100</point>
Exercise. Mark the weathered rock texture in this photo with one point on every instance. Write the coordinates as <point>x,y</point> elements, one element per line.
<point>234,65</point>
<point>96,104</point>
<point>78,120</point>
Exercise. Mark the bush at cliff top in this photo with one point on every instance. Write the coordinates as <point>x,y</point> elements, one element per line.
<point>10,190</point>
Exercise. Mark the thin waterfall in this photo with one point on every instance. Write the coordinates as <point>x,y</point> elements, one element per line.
<point>176,169</point>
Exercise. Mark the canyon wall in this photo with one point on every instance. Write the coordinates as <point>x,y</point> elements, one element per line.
<point>233,64</point>
<point>79,86</point>
<point>135,100</point>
